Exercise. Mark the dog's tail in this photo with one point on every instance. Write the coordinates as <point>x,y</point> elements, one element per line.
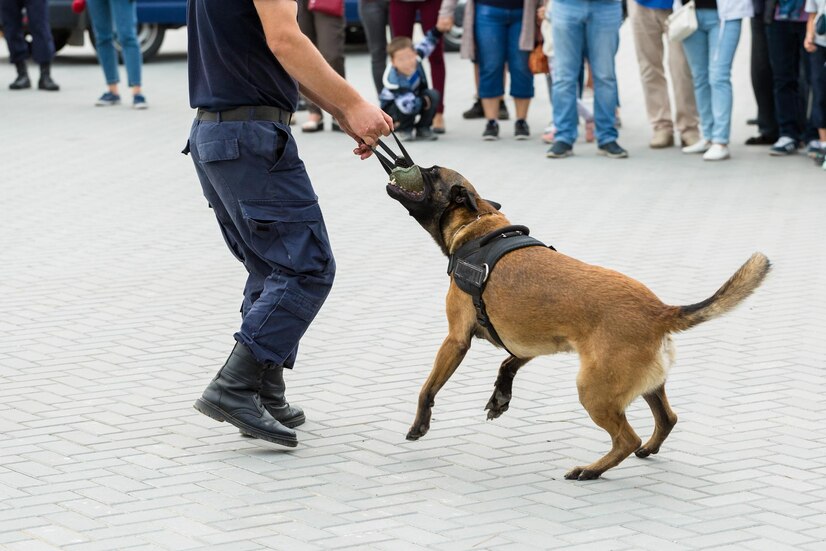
<point>733,292</point>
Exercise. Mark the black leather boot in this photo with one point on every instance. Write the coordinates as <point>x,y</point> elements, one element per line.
<point>22,81</point>
<point>46,82</point>
<point>232,396</point>
<point>272,396</point>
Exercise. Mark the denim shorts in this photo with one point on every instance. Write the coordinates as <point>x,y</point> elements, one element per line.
<point>497,33</point>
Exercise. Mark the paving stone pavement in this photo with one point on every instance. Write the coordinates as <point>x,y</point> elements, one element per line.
<point>118,301</point>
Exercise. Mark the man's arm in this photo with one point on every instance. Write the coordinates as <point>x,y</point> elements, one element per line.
<point>322,85</point>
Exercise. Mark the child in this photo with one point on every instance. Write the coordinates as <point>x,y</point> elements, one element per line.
<point>406,94</point>
<point>815,44</point>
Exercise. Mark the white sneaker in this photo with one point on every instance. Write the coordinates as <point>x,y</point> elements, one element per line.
<point>717,152</point>
<point>700,147</point>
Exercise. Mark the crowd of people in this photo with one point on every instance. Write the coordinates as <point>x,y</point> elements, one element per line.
<point>580,39</point>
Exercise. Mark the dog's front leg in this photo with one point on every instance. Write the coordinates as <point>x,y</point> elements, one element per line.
<point>501,398</point>
<point>450,355</point>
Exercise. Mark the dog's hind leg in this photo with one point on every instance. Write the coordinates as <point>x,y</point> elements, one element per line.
<point>450,355</point>
<point>602,402</point>
<point>501,398</point>
<point>664,419</point>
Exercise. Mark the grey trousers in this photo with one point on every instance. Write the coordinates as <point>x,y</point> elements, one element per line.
<point>327,33</point>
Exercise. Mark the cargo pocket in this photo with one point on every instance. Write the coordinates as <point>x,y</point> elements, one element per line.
<point>289,234</point>
<point>284,145</point>
<point>217,150</point>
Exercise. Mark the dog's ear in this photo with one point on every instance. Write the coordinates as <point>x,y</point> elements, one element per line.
<point>497,206</point>
<point>460,195</point>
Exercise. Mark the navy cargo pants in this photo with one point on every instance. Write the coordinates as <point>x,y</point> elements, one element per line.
<point>269,216</point>
<point>37,13</point>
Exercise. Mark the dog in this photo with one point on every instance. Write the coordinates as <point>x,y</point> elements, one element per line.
<point>542,302</point>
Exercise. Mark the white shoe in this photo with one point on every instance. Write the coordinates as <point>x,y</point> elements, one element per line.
<point>717,152</point>
<point>700,147</point>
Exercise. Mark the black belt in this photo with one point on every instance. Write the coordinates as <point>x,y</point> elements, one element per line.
<point>246,113</point>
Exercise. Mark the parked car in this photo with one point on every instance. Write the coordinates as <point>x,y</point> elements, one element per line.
<point>156,16</point>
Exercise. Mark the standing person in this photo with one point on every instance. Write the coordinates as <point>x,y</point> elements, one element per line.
<point>576,26</point>
<point>326,32</point>
<point>42,47</point>
<point>762,79</point>
<point>248,165</point>
<point>785,34</point>
<point>108,17</point>
<point>710,52</point>
<point>374,15</point>
<point>815,44</point>
<point>403,14</point>
<point>504,33</point>
<point>649,24</point>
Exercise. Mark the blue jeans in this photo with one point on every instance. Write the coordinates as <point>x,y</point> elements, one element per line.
<point>268,213</point>
<point>107,17</point>
<point>576,26</point>
<point>497,33</point>
<point>710,52</point>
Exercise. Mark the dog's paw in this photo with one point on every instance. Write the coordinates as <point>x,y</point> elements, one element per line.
<point>581,473</point>
<point>644,452</point>
<point>415,433</point>
<point>498,404</point>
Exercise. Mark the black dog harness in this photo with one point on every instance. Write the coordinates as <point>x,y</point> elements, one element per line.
<point>473,262</point>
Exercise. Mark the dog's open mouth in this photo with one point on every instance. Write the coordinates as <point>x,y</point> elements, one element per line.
<point>408,181</point>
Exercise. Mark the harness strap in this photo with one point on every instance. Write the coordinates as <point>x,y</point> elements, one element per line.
<point>473,262</point>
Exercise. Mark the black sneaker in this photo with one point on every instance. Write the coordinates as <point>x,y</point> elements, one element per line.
<point>491,131</point>
<point>426,134</point>
<point>503,111</point>
<point>521,131</point>
<point>560,150</point>
<point>475,112</point>
<point>612,150</point>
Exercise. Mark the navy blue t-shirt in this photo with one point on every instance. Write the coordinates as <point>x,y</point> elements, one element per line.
<point>229,61</point>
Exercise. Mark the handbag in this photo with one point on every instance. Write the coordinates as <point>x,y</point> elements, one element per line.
<point>334,8</point>
<point>538,61</point>
<point>682,23</point>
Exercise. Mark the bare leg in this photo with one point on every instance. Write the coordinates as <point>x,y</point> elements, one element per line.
<point>501,398</point>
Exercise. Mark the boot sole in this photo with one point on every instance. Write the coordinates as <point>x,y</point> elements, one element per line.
<point>215,413</point>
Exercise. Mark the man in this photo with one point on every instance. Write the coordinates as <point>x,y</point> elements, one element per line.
<point>42,46</point>
<point>244,58</point>
<point>762,79</point>
<point>649,23</point>
<point>577,26</point>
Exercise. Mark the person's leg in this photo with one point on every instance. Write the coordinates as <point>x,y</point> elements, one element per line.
<point>762,81</point>
<point>491,37</point>
<point>307,23</point>
<point>126,24</point>
<point>521,77</point>
<point>275,212</point>
<point>100,12</point>
<point>11,12</point>
<point>648,42</point>
<point>374,16</point>
<point>602,35</point>
<point>687,118</point>
<point>428,109</point>
<point>37,12</point>
<point>568,27</point>
<point>785,65</point>
<point>697,53</point>
<point>330,42</point>
<point>429,14</point>
<point>817,59</point>
<point>402,17</point>
<point>722,44</point>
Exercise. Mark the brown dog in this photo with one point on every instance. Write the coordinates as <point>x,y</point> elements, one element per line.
<point>542,302</point>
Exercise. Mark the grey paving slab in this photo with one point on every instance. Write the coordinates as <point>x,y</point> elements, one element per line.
<point>118,301</point>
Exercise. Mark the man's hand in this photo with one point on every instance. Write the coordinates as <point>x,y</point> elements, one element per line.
<point>365,123</point>
<point>444,24</point>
